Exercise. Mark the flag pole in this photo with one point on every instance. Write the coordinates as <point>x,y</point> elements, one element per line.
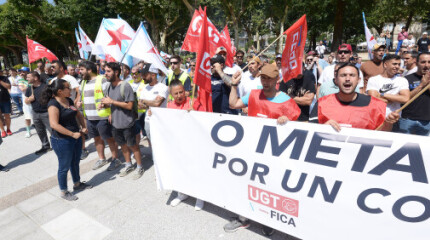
<point>192,96</point>
<point>408,102</point>
<point>264,50</point>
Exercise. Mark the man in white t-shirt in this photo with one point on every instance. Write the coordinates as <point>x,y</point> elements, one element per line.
<point>15,92</point>
<point>60,73</point>
<point>250,80</point>
<point>344,54</point>
<point>320,50</point>
<point>154,94</point>
<point>389,87</point>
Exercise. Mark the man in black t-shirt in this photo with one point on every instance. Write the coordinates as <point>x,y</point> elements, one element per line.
<point>302,90</point>
<point>5,105</point>
<point>416,117</point>
<point>33,95</point>
<point>423,44</point>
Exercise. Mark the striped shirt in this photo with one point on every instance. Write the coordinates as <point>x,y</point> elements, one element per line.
<point>89,102</point>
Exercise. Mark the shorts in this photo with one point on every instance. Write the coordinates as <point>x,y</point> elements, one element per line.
<point>99,128</point>
<point>5,107</point>
<point>125,136</point>
<point>140,123</point>
<point>28,111</point>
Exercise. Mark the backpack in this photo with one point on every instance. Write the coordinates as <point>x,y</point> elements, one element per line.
<point>135,102</point>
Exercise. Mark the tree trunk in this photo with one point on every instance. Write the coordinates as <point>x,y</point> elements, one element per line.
<point>257,37</point>
<point>282,39</point>
<point>236,34</point>
<point>338,24</point>
<point>162,44</point>
<point>189,7</point>
<point>313,44</point>
<point>409,19</point>
<point>17,55</point>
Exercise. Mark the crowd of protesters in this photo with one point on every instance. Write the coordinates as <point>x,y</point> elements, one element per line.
<point>112,103</point>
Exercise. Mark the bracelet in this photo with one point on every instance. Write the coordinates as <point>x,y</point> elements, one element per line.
<point>235,85</point>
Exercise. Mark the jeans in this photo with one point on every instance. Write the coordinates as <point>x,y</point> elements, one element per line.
<point>409,126</point>
<point>68,151</point>
<point>41,123</point>
<point>399,44</point>
<point>17,99</point>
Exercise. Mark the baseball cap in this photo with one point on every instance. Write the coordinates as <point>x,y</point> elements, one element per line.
<point>279,56</point>
<point>145,68</point>
<point>270,70</point>
<point>221,49</point>
<point>424,33</point>
<point>311,53</point>
<point>24,69</point>
<point>345,45</point>
<point>377,46</point>
<point>217,59</point>
<point>257,59</point>
<point>153,69</point>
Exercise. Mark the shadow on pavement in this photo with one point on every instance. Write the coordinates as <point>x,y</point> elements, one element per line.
<point>23,160</point>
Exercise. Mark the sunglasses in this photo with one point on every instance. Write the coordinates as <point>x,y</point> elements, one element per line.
<point>193,65</point>
<point>344,52</point>
<point>310,59</point>
<point>174,62</point>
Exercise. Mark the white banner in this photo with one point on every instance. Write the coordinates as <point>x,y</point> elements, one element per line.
<point>303,179</point>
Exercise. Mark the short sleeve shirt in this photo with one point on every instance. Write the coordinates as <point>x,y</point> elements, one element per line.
<point>67,117</point>
<point>4,93</point>
<point>121,118</point>
<point>36,104</point>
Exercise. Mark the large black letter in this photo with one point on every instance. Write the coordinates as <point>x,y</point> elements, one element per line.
<point>367,145</point>
<point>316,147</point>
<point>328,196</point>
<point>299,184</point>
<point>236,139</point>
<point>219,158</point>
<point>399,203</point>
<point>296,134</point>
<point>416,167</point>
<point>260,174</point>
<point>361,200</point>
<point>242,162</point>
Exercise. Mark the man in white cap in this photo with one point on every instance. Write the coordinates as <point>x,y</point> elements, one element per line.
<point>227,70</point>
<point>423,44</point>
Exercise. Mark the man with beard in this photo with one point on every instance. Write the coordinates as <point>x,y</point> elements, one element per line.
<point>348,108</point>
<point>60,73</point>
<point>416,117</point>
<point>373,67</point>
<point>99,128</point>
<point>343,55</point>
<point>389,87</point>
<point>119,96</point>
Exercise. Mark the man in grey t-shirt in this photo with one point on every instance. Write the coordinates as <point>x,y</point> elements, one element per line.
<point>122,118</point>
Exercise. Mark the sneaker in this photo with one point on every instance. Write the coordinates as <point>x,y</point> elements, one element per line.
<point>42,151</point>
<point>3,168</point>
<point>138,174</point>
<point>100,163</point>
<point>69,196</point>
<point>82,186</point>
<point>181,197</point>
<point>235,225</point>
<point>126,170</point>
<point>3,134</point>
<point>28,135</point>
<point>199,205</point>
<point>9,132</point>
<point>267,231</point>
<point>114,164</point>
<point>84,154</point>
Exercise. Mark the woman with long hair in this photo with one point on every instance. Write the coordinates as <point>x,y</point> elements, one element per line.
<point>66,136</point>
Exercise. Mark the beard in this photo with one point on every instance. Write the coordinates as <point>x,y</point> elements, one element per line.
<point>86,76</point>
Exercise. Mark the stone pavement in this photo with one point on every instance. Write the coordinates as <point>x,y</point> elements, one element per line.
<point>115,208</point>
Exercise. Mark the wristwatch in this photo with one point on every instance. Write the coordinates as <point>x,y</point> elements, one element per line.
<point>382,94</point>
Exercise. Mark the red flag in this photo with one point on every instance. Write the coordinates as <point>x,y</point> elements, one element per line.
<point>215,40</point>
<point>202,77</point>
<point>225,34</point>
<point>294,48</point>
<point>36,51</point>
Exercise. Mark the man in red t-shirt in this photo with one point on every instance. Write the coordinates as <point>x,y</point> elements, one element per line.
<point>180,100</point>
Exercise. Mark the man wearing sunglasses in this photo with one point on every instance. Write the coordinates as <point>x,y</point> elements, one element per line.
<point>343,55</point>
<point>312,64</point>
<point>178,74</point>
<point>373,67</point>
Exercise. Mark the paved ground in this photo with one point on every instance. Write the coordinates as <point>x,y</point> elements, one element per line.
<point>116,208</point>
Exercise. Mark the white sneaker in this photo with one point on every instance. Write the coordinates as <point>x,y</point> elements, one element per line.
<point>181,197</point>
<point>199,205</point>
<point>28,135</point>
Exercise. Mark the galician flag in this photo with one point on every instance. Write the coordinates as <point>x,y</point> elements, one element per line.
<point>81,52</point>
<point>87,44</point>
<point>142,48</point>
<point>113,39</point>
<point>369,38</point>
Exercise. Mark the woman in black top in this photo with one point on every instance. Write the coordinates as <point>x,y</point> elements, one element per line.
<point>66,136</point>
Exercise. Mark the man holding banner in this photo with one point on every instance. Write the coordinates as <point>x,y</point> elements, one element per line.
<point>350,109</point>
<point>269,103</point>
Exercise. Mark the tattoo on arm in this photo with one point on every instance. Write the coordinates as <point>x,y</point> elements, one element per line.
<point>226,79</point>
